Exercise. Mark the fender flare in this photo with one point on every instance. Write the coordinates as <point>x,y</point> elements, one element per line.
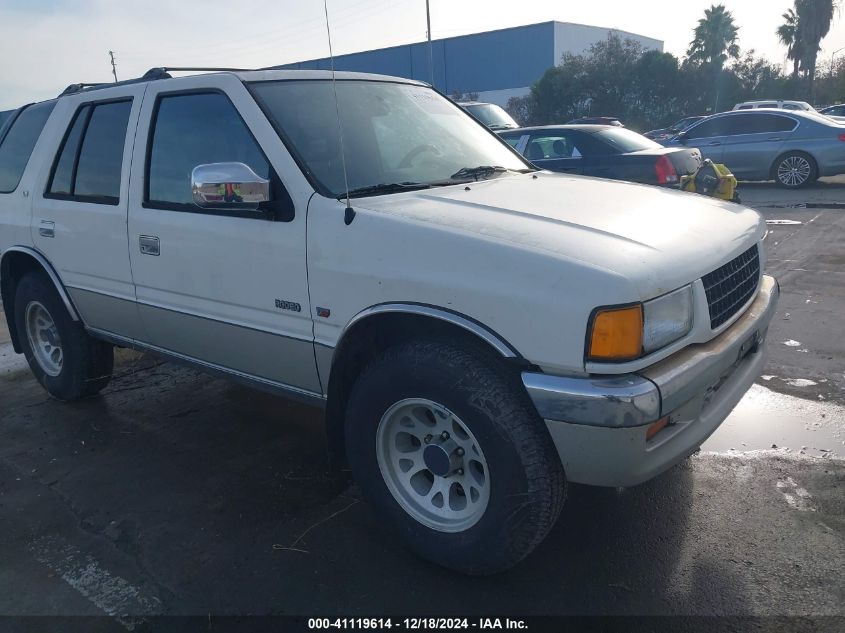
<point>51,273</point>
<point>455,318</point>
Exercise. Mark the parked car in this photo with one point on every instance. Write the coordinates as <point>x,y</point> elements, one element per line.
<point>834,110</point>
<point>597,120</point>
<point>779,105</point>
<point>604,151</point>
<point>479,332</point>
<point>792,148</point>
<point>674,129</point>
<point>490,114</point>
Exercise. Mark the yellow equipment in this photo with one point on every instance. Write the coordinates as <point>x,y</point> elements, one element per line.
<point>712,179</point>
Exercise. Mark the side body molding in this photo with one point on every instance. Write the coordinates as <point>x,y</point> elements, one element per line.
<point>48,268</point>
<point>467,323</point>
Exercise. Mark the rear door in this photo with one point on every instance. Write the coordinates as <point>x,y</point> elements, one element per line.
<point>80,204</point>
<point>228,288</point>
<point>755,140</point>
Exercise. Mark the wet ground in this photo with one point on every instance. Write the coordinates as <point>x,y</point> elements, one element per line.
<point>178,493</point>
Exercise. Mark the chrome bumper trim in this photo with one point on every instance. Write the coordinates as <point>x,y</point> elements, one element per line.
<point>608,401</point>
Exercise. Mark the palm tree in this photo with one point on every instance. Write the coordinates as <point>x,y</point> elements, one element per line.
<point>788,35</point>
<point>715,38</point>
<point>814,21</point>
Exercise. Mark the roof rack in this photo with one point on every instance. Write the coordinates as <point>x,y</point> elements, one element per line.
<point>152,74</point>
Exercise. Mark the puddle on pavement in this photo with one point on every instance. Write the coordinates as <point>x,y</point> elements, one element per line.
<point>765,418</point>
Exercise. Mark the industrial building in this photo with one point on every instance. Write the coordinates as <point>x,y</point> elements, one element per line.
<point>497,65</point>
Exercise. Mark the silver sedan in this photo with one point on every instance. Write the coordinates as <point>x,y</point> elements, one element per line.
<point>792,148</point>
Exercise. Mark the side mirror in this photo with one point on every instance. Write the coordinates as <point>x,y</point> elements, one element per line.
<point>683,137</point>
<point>228,186</point>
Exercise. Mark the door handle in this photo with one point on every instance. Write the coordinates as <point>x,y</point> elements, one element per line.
<point>775,138</point>
<point>47,229</point>
<point>714,144</point>
<point>150,245</point>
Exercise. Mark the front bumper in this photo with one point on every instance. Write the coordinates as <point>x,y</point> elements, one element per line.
<point>599,423</point>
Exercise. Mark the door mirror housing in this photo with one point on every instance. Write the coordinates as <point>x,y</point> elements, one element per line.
<point>683,137</point>
<point>228,186</point>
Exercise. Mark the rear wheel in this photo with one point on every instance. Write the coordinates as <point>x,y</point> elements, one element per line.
<point>67,362</point>
<point>448,448</point>
<point>795,170</point>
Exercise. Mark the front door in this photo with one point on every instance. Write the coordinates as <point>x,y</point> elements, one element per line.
<point>755,140</point>
<point>228,288</point>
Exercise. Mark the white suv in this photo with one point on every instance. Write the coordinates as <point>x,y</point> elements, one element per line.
<point>478,331</point>
<point>801,106</point>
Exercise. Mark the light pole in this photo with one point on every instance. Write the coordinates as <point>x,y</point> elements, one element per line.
<point>833,57</point>
<point>430,55</point>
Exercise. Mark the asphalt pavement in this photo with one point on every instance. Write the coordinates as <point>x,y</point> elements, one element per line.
<point>178,493</point>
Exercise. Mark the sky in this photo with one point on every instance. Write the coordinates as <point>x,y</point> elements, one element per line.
<point>47,44</point>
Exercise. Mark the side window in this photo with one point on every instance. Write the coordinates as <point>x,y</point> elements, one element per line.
<point>709,129</point>
<point>190,130</point>
<point>760,123</point>
<point>19,141</point>
<point>90,161</point>
<point>552,147</point>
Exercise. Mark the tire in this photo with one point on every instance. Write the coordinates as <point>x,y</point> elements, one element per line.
<point>795,170</point>
<point>510,475</point>
<point>82,366</point>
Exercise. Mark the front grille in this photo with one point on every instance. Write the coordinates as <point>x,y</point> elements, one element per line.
<point>730,287</point>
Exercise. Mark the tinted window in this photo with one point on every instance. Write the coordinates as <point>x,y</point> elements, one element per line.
<point>19,142</point>
<point>552,146</point>
<point>624,141</point>
<point>709,129</point>
<point>62,182</point>
<point>193,130</point>
<point>90,161</point>
<point>101,157</point>
<point>759,123</point>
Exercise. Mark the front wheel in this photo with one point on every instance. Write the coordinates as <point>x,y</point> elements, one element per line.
<point>795,170</point>
<point>447,447</point>
<point>67,362</point>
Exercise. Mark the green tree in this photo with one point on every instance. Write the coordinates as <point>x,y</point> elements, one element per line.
<point>788,35</point>
<point>715,38</point>
<point>815,18</point>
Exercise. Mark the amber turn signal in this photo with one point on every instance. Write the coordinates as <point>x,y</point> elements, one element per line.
<point>617,334</point>
<point>655,428</point>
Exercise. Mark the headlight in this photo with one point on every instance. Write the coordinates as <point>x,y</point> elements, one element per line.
<point>667,319</point>
<point>621,333</point>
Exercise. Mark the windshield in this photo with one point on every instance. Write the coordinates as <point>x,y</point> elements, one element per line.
<point>392,133</point>
<point>491,115</point>
<point>625,140</point>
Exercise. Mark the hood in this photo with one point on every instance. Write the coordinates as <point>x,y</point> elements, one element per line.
<point>658,239</point>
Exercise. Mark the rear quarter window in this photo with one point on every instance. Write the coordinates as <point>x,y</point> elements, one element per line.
<point>19,141</point>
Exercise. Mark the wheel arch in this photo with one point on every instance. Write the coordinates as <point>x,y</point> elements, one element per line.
<point>16,262</point>
<point>378,327</point>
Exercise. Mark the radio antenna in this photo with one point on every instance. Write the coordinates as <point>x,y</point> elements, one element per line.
<point>349,215</point>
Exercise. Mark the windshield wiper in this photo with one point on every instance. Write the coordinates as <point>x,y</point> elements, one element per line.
<point>483,171</point>
<point>384,188</point>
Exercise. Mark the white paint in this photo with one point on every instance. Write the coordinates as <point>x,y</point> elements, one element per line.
<point>796,497</point>
<point>800,382</point>
<point>767,378</point>
<point>792,343</point>
<point>112,594</point>
<point>782,222</point>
